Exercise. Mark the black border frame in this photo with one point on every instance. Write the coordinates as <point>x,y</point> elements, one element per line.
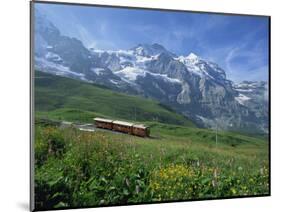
<point>31,90</point>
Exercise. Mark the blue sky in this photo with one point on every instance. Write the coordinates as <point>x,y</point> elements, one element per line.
<point>239,44</point>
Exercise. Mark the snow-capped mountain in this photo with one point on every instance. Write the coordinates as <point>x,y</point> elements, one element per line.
<point>189,84</point>
<point>203,68</point>
<point>254,95</point>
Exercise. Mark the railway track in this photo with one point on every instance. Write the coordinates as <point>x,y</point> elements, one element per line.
<point>88,127</point>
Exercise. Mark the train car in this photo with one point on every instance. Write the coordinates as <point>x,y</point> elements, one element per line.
<point>104,123</point>
<point>123,126</point>
<point>140,130</point>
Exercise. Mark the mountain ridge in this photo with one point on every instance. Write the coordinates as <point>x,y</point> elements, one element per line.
<point>192,86</point>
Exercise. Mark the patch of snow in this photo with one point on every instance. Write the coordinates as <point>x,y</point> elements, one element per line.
<point>143,59</point>
<point>246,85</point>
<point>44,64</point>
<point>215,67</point>
<point>98,71</point>
<point>203,69</point>
<point>192,56</point>
<point>241,99</point>
<point>98,50</point>
<point>117,52</point>
<point>139,50</point>
<point>114,82</point>
<point>193,65</point>
<point>130,73</point>
<point>123,52</point>
<point>53,56</point>
<point>165,77</point>
<point>244,90</point>
<point>127,58</point>
<point>202,118</point>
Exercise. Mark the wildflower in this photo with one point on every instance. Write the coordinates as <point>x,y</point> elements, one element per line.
<point>214,183</point>
<point>170,179</point>
<point>127,182</point>
<point>137,189</point>
<point>215,173</point>
<point>233,191</point>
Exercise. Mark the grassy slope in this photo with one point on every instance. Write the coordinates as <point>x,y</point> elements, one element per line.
<point>72,100</point>
<point>62,98</point>
<point>179,163</point>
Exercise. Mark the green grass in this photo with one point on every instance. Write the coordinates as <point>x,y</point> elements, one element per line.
<point>62,98</point>
<point>75,168</point>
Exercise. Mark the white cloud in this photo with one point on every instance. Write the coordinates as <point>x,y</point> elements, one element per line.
<point>246,64</point>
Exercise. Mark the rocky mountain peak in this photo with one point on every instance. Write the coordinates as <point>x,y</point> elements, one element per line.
<point>192,56</point>
<point>149,50</point>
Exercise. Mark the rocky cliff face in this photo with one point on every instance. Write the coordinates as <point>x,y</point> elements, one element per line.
<point>191,85</point>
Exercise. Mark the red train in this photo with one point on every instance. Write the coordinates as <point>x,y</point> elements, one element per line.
<point>122,126</point>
